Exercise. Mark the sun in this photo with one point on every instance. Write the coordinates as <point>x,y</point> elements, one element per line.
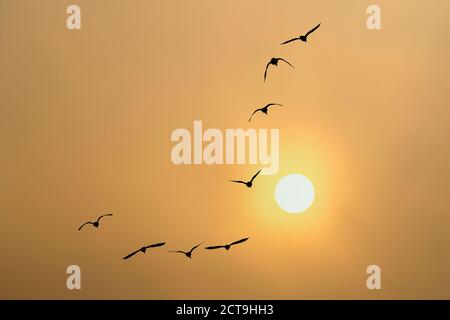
<point>294,193</point>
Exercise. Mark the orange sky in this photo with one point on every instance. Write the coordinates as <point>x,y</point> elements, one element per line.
<point>85,124</point>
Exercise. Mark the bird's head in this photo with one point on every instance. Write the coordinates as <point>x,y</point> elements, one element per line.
<point>96,224</point>
<point>274,61</point>
<point>227,247</point>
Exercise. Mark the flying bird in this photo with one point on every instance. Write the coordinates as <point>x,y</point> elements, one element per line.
<point>143,249</point>
<point>227,246</point>
<point>95,223</point>
<point>274,61</point>
<point>248,183</point>
<point>303,38</point>
<point>264,109</point>
<point>188,253</point>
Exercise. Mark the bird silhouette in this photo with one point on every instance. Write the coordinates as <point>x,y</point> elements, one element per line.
<point>227,246</point>
<point>274,61</point>
<point>264,109</point>
<point>248,183</point>
<point>95,223</point>
<point>303,38</point>
<point>187,253</point>
<point>143,249</point>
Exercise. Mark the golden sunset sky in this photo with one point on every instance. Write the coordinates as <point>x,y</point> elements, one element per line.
<point>85,124</point>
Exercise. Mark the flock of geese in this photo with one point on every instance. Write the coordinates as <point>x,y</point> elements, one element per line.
<point>273,61</point>
<point>188,254</point>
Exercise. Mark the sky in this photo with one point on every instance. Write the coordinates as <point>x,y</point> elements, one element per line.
<point>85,123</point>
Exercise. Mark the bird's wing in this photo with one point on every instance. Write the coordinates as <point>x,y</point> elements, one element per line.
<point>178,251</point>
<point>286,62</point>
<point>108,214</point>
<point>312,30</point>
<point>239,241</point>
<point>273,104</point>
<point>214,247</point>
<point>195,247</point>
<point>253,114</point>
<point>131,254</point>
<point>253,178</point>
<point>156,245</point>
<point>85,224</point>
<point>265,72</point>
<point>238,181</point>
<point>290,40</point>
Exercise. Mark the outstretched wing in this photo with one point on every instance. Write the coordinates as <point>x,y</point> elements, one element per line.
<point>195,247</point>
<point>84,225</point>
<point>265,72</point>
<point>156,245</point>
<point>239,241</point>
<point>214,247</point>
<point>108,214</point>
<point>286,62</point>
<point>290,40</point>
<point>178,251</point>
<point>131,254</point>
<point>312,30</point>
<point>253,178</point>
<point>253,114</point>
<point>273,104</point>
<point>238,181</point>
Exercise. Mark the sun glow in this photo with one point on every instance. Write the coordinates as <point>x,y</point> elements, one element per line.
<point>294,193</point>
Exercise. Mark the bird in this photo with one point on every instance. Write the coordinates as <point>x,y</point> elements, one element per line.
<point>143,249</point>
<point>227,246</point>
<point>248,183</point>
<point>95,223</point>
<point>264,109</point>
<point>274,61</point>
<point>303,38</point>
<point>188,253</point>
